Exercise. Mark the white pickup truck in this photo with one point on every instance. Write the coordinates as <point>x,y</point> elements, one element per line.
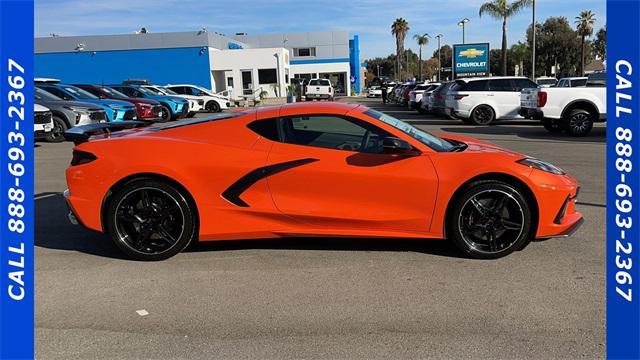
<point>573,110</point>
<point>320,89</point>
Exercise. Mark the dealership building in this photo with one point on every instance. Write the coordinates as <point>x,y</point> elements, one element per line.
<point>243,63</point>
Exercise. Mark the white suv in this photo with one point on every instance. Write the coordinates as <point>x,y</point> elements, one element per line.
<point>480,101</point>
<point>212,102</point>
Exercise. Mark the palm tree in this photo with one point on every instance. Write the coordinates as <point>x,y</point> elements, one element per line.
<point>422,40</point>
<point>502,10</point>
<point>399,29</point>
<point>584,23</point>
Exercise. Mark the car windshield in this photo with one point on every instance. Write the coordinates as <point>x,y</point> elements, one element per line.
<point>44,95</point>
<point>546,81</point>
<point>168,91</point>
<point>113,92</point>
<point>320,83</point>
<point>79,93</point>
<point>146,91</point>
<point>203,90</point>
<point>424,137</point>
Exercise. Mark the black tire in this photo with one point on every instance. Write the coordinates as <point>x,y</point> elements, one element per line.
<point>488,210</point>
<point>482,115</point>
<point>56,134</point>
<point>579,122</point>
<point>150,227</point>
<point>554,125</point>
<point>166,113</point>
<point>191,114</point>
<point>212,106</point>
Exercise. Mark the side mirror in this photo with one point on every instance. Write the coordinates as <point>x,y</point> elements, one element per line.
<point>393,145</point>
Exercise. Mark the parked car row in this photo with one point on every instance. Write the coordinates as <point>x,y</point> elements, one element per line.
<point>573,105</point>
<point>79,104</point>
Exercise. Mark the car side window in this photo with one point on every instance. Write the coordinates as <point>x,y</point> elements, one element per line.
<point>333,132</point>
<point>524,84</point>
<point>479,85</point>
<point>501,85</point>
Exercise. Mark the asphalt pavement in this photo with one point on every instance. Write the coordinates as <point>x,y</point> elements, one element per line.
<point>328,298</point>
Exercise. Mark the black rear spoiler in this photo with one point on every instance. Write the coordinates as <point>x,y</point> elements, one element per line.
<point>82,133</point>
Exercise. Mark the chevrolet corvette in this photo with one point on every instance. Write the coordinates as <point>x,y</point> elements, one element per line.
<point>309,170</point>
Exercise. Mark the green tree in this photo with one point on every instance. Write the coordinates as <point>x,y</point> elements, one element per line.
<point>520,53</point>
<point>503,10</point>
<point>584,23</point>
<point>556,46</point>
<point>399,29</point>
<point>422,40</point>
<point>600,44</point>
<point>446,54</point>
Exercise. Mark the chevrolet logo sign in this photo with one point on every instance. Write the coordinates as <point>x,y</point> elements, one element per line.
<point>472,53</point>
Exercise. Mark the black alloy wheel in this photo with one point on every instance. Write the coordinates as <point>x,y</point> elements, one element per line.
<point>150,220</point>
<point>56,134</point>
<point>166,113</point>
<point>579,123</point>
<point>483,115</point>
<point>490,220</point>
<point>212,106</point>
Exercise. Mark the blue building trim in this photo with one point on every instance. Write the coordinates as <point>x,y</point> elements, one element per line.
<point>160,66</point>
<point>354,61</point>
<point>319,61</point>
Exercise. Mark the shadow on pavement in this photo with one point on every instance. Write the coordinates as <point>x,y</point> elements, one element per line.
<point>54,231</point>
<point>537,132</point>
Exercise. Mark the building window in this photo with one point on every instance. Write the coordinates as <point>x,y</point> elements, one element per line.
<point>300,52</point>
<point>267,76</point>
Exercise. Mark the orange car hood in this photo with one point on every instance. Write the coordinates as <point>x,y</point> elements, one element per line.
<point>476,145</point>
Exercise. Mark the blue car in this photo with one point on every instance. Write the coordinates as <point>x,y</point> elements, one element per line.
<point>177,107</point>
<point>116,110</point>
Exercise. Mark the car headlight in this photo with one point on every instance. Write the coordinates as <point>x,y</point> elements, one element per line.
<point>541,165</point>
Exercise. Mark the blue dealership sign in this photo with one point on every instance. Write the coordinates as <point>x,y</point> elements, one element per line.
<point>623,180</point>
<point>16,179</point>
<point>470,60</point>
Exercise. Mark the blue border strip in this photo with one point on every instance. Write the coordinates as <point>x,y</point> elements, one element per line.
<point>16,179</point>
<point>319,61</point>
<point>623,180</point>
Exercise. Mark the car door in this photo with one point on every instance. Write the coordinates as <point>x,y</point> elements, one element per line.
<point>334,181</point>
<point>507,99</point>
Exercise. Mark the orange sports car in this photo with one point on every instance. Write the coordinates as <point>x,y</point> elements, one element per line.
<point>313,169</point>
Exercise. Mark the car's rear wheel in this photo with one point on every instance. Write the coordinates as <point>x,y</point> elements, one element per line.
<point>212,106</point>
<point>553,125</point>
<point>150,220</point>
<point>56,134</point>
<point>579,122</point>
<point>166,113</point>
<point>482,115</point>
<point>490,220</point>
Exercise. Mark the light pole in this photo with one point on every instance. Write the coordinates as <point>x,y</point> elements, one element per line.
<point>378,71</point>
<point>462,23</point>
<point>533,46</point>
<point>439,37</point>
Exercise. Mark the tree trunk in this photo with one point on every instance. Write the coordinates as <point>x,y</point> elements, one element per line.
<point>504,47</point>
<point>582,58</point>
<point>420,64</point>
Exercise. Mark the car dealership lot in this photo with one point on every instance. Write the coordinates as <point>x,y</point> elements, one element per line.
<point>328,298</point>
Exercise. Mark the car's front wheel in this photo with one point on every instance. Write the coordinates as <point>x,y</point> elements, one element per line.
<point>491,219</point>
<point>166,113</point>
<point>150,220</point>
<point>579,122</point>
<point>56,134</point>
<point>212,106</point>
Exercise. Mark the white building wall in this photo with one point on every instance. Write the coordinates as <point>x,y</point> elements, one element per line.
<point>339,67</point>
<point>233,62</point>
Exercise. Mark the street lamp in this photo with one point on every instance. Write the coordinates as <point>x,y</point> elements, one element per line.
<point>439,37</point>
<point>378,71</point>
<point>533,46</point>
<point>462,23</point>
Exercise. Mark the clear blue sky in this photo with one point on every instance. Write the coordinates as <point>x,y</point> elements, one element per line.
<point>371,19</point>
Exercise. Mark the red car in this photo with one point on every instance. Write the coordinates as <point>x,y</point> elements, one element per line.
<point>146,109</point>
<point>309,169</point>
